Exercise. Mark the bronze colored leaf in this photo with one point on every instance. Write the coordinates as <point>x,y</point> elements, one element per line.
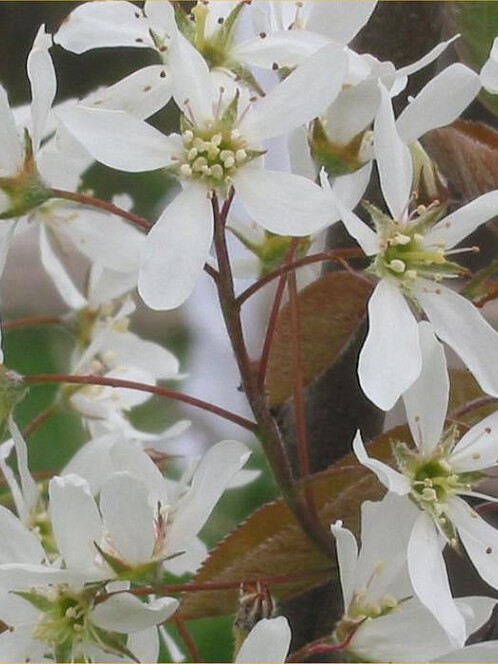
<point>271,543</point>
<point>330,312</point>
<point>467,154</point>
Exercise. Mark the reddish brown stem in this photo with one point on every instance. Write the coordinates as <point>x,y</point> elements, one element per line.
<point>142,387</point>
<point>298,393</point>
<point>320,647</point>
<point>38,421</point>
<point>193,651</point>
<point>276,580</point>
<point>90,201</point>
<point>470,406</point>
<point>32,320</point>
<point>272,320</point>
<point>333,255</point>
<point>268,433</point>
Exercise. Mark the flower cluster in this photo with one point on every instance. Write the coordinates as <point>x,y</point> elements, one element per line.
<point>281,128</point>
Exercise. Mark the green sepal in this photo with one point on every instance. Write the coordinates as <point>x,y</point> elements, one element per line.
<point>230,114</point>
<point>243,74</point>
<point>38,601</point>
<point>12,391</point>
<point>112,642</point>
<point>225,33</point>
<point>63,651</point>
<point>335,159</point>
<point>185,26</point>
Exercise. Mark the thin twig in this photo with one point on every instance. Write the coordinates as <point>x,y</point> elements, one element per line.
<point>470,406</point>
<point>187,639</point>
<point>320,647</point>
<point>333,255</point>
<point>207,586</point>
<point>40,419</point>
<point>90,201</point>
<point>142,387</point>
<point>298,394</point>
<point>272,320</point>
<point>32,320</point>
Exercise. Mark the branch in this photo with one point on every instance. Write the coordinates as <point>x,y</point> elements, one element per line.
<point>38,379</point>
<point>272,320</point>
<point>298,395</point>
<point>32,320</point>
<point>187,639</point>
<point>333,255</point>
<point>38,421</point>
<point>90,201</point>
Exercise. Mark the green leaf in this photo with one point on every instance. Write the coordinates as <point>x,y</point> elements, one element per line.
<point>330,313</point>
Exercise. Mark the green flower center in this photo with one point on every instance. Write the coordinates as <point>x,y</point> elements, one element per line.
<point>405,255</point>
<point>360,609</point>
<point>63,623</point>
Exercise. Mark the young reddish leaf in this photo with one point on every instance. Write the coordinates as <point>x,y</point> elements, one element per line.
<point>330,312</point>
<point>270,542</point>
<point>467,154</point>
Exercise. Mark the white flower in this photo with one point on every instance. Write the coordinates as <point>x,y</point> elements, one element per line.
<point>382,619</point>
<point>434,476</point>
<point>63,623</point>
<point>412,255</point>
<point>219,147</point>
<point>144,519</point>
<point>268,641</point>
<point>106,347</point>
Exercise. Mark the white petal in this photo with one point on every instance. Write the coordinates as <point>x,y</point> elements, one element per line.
<point>111,23</point>
<point>127,348</point>
<point>356,227</point>
<point>130,457</point>
<point>117,139</point>
<point>11,154</point>
<point>389,477</point>
<point>43,85</point>
<point>352,112</point>
<point>19,544</point>
<point>28,485</point>
<point>456,226</point>
<point>426,59</point>
<point>440,102</point>
<point>393,159</point>
<point>283,203</point>
<point>429,578</point>
<point>459,324</point>
<point>92,462</point>
<point>76,521</point>
<point>268,641</point>
<point>128,516</point>
<point>57,272</point>
<point>17,645</point>
<point>407,633</point>
<point>299,98</point>
<point>162,17</point>
<point>381,567</point>
<point>347,554</point>
<point>390,360</point>
<point>106,239</point>
<point>489,71</point>
<point>20,576</point>
<point>478,448</point>
<point>176,250</point>
<point>477,652</point>
<point>287,48</point>
<point>479,538</point>
<point>426,401</point>
<point>7,230</point>
<point>125,613</point>
<point>192,85</point>
<point>145,644</point>
<point>217,467</point>
<point>140,94</point>
<point>340,21</point>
